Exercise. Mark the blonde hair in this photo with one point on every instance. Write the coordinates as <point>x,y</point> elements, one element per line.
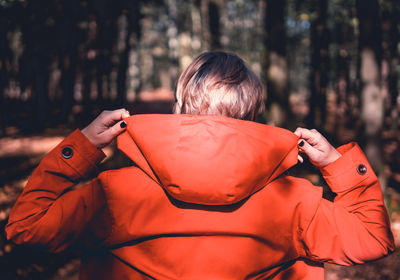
<point>219,83</point>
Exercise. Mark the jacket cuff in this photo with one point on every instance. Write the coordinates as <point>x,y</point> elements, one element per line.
<point>349,170</point>
<point>79,153</point>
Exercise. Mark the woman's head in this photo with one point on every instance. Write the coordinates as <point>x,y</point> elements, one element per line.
<point>219,83</point>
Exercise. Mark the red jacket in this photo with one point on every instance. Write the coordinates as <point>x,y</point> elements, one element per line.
<point>206,199</point>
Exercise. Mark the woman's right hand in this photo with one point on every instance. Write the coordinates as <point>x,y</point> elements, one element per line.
<point>316,147</point>
<point>106,127</point>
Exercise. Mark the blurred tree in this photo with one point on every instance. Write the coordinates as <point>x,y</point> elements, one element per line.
<point>132,47</point>
<point>390,30</point>
<point>128,48</point>
<point>371,98</point>
<point>173,39</point>
<point>394,62</point>
<point>319,65</point>
<point>106,13</point>
<point>67,13</point>
<point>4,54</point>
<point>210,24</point>
<point>344,84</point>
<point>299,59</point>
<point>196,29</point>
<point>277,76</point>
<point>339,24</point>
<point>205,24</point>
<point>36,30</point>
<point>88,52</point>
<point>390,13</point>
<point>214,25</point>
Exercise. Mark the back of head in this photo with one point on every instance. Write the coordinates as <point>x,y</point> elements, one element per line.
<point>219,83</point>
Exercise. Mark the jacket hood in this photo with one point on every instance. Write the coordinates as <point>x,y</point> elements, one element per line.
<point>207,159</point>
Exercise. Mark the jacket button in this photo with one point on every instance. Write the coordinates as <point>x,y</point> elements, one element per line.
<point>361,169</point>
<point>67,152</point>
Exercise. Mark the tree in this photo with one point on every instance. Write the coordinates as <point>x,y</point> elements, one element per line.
<point>319,65</point>
<point>4,52</point>
<point>277,77</point>
<point>370,94</point>
<point>35,59</point>
<point>173,40</point>
<point>67,32</point>
<point>214,25</point>
<point>391,148</point>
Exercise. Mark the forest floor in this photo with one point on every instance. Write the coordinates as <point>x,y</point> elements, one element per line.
<point>20,154</point>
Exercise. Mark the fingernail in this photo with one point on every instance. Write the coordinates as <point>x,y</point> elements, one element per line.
<point>123,124</point>
<point>301,144</point>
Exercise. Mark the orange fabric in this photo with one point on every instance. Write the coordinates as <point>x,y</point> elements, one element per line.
<point>207,159</point>
<point>206,200</point>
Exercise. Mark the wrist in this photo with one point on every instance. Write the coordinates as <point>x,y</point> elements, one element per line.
<point>333,156</point>
<point>87,134</point>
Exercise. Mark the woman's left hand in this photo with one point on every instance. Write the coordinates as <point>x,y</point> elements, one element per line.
<point>316,147</point>
<point>106,127</point>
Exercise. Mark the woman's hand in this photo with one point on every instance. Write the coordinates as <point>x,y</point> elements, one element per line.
<point>316,147</point>
<point>106,127</point>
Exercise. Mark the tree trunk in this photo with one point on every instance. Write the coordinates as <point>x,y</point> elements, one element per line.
<point>319,66</point>
<point>123,38</point>
<point>106,14</point>
<point>277,76</point>
<point>338,119</point>
<point>35,59</point>
<point>67,46</point>
<point>3,71</point>
<point>391,146</point>
<point>370,92</point>
<point>205,25</point>
<point>195,14</point>
<point>393,61</point>
<point>134,35</point>
<point>214,25</point>
<point>173,41</point>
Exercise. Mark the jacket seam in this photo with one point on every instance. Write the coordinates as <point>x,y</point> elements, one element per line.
<point>304,232</point>
<point>104,186</point>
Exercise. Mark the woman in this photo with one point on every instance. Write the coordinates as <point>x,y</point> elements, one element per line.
<point>207,197</point>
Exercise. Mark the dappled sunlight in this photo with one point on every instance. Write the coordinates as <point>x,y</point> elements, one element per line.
<point>27,146</point>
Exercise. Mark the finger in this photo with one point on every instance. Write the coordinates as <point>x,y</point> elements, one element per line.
<point>126,113</point>
<point>298,131</point>
<point>114,116</point>
<point>308,149</point>
<point>115,130</point>
<point>311,136</point>
<point>303,133</point>
<point>300,159</point>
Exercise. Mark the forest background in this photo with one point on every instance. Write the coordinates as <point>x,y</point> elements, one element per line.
<point>332,65</point>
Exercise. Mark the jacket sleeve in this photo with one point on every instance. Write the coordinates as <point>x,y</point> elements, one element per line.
<point>355,228</point>
<point>49,212</point>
